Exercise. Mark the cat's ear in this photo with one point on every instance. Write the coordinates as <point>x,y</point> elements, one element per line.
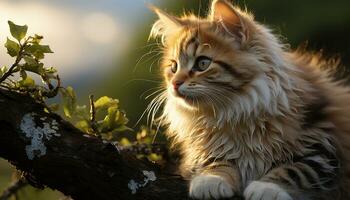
<point>228,19</point>
<point>165,25</point>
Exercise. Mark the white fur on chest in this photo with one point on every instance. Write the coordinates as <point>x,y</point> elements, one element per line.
<point>248,146</point>
<point>252,158</point>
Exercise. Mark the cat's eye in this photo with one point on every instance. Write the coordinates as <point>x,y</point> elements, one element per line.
<point>173,66</point>
<point>202,63</point>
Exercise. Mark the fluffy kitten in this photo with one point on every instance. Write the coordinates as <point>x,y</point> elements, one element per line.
<point>251,117</point>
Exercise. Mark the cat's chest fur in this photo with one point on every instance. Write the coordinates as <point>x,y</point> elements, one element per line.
<point>253,147</point>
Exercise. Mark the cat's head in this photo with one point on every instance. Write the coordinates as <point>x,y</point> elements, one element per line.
<point>225,61</point>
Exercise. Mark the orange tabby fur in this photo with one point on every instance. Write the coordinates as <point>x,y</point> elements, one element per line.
<point>258,121</point>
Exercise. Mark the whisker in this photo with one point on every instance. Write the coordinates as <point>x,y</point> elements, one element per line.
<point>147,45</point>
<point>148,96</point>
<point>154,106</point>
<point>158,60</point>
<point>143,56</point>
<point>149,108</point>
<point>158,88</point>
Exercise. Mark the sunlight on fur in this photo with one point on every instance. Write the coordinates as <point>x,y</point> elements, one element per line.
<point>250,116</point>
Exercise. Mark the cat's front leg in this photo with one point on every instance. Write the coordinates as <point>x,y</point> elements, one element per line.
<point>217,181</point>
<point>265,190</point>
<point>313,175</point>
<point>210,186</point>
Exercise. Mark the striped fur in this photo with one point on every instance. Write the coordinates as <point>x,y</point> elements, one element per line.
<point>262,121</point>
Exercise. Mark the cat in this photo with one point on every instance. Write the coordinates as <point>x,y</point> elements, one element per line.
<point>251,117</point>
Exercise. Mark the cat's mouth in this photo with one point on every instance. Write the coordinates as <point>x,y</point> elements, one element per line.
<point>188,98</point>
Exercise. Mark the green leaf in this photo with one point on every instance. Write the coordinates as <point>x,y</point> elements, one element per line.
<point>71,92</point>
<point>154,157</point>
<point>3,70</point>
<point>112,113</point>
<point>121,118</point>
<point>123,128</point>
<point>106,102</point>
<point>12,47</point>
<point>82,112</point>
<point>38,50</point>
<point>69,101</point>
<point>49,73</point>
<point>18,32</point>
<point>45,49</point>
<point>51,70</point>
<point>125,142</point>
<point>27,82</point>
<point>83,125</point>
<point>108,123</point>
<point>30,61</point>
<point>23,74</point>
<point>38,68</point>
<point>67,109</point>
<point>37,39</point>
<point>32,65</point>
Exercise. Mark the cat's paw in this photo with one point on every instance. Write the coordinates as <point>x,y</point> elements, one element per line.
<point>259,190</point>
<point>210,187</point>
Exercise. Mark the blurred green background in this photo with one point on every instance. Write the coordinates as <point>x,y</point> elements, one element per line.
<point>101,47</point>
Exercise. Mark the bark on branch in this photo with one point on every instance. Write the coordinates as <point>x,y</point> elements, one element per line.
<point>51,152</point>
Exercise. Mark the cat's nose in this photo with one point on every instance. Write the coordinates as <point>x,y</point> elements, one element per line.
<point>177,84</point>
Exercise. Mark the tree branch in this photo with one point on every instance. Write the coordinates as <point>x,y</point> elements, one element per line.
<point>51,152</point>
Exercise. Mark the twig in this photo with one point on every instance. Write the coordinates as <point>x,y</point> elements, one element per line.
<point>52,92</point>
<point>9,72</point>
<point>13,189</point>
<point>93,114</point>
<point>18,59</point>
